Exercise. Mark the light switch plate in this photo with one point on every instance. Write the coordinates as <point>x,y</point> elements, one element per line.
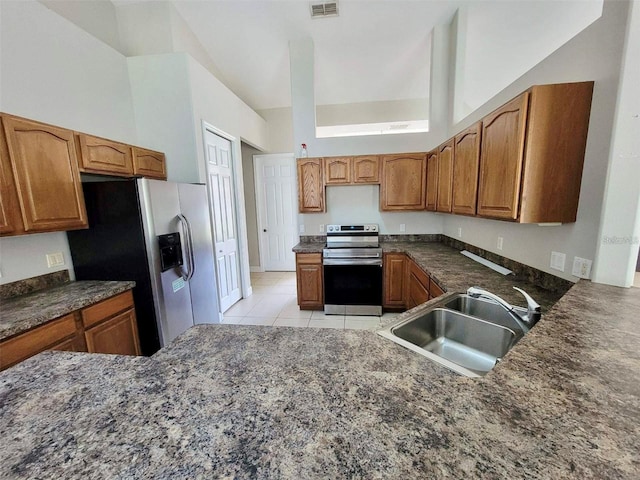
<point>55,259</point>
<point>403,227</point>
<point>321,228</point>
<point>500,243</point>
<point>459,232</point>
<point>301,228</point>
<point>558,260</point>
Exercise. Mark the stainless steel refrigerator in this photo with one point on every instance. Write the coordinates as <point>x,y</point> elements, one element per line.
<point>128,221</point>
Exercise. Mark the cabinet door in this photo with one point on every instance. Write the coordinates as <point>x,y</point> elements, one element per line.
<point>445,176</point>
<point>148,163</point>
<point>403,182</point>
<point>418,287</point>
<point>394,279</point>
<point>432,180</point>
<point>465,170</point>
<point>337,170</point>
<point>43,160</point>
<point>434,289</point>
<point>503,136</point>
<point>309,281</point>
<point>310,185</point>
<point>366,169</point>
<point>118,335</point>
<point>104,156</point>
<point>10,217</point>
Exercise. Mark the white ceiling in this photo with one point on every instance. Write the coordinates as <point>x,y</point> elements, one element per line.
<point>374,50</point>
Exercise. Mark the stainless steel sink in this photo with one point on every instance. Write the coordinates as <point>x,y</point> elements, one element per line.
<point>486,310</point>
<point>463,343</point>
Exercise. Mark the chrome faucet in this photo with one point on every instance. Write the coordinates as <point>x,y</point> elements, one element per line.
<point>524,322</point>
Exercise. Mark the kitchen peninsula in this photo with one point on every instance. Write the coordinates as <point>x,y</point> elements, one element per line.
<point>277,402</point>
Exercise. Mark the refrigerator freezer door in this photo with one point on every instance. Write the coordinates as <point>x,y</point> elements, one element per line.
<point>171,292</point>
<point>204,291</point>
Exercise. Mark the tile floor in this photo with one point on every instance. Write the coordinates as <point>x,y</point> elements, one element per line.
<point>274,303</point>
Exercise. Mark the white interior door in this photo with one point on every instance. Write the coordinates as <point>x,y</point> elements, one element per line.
<point>277,206</point>
<point>225,233</point>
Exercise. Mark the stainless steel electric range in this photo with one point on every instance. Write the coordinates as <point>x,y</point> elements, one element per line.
<point>352,264</point>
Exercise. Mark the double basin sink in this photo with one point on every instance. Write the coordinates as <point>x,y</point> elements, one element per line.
<point>466,334</point>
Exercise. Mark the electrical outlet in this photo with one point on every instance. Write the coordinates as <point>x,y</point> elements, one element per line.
<point>321,228</point>
<point>403,227</point>
<point>500,243</point>
<point>55,259</point>
<point>301,228</point>
<point>459,232</point>
<point>581,267</point>
<point>558,260</point>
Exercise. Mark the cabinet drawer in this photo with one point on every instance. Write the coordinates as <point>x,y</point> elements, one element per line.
<point>37,340</point>
<point>309,258</point>
<point>107,308</point>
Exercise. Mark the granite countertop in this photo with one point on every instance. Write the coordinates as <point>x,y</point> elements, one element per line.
<point>233,401</point>
<point>236,401</point>
<point>24,312</point>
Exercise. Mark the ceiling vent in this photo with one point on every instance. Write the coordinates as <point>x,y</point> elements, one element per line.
<point>324,9</point>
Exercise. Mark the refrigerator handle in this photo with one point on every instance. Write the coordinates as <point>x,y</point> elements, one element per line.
<point>189,247</point>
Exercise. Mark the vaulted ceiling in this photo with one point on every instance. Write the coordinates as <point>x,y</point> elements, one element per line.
<point>372,51</point>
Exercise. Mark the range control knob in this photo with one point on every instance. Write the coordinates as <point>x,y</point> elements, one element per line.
<point>367,228</point>
<point>330,228</point>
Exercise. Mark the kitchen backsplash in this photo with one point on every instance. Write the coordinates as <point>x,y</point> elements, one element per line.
<point>28,285</point>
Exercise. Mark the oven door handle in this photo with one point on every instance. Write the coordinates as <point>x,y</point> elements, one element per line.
<point>351,261</point>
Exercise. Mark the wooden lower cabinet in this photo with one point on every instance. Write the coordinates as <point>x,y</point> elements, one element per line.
<point>406,284</point>
<point>417,286</point>
<point>56,335</point>
<point>106,327</point>
<point>394,280</point>
<point>110,326</point>
<point>118,335</point>
<point>309,280</point>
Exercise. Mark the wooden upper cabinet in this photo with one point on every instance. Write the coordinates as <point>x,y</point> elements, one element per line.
<point>403,182</point>
<point>337,170</point>
<point>432,180</point>
<point>445,176</point>
<point>310,185</point>
<point>465,170</point>
<point>556,141</point>
<point>366,169</point>
<point>45,167</point>
<point>10,217</point>
<point>149,163</point>
<point>99,155</point>
<point>532,155</point>
<point>502,153</point>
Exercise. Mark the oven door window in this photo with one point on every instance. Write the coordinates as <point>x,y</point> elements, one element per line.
<point>353,284</point>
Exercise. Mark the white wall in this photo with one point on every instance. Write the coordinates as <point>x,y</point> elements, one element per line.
<point>619,237</point>
<point>594,54</point>
<point>505,39</point>
<point>164,113</point>
<point>372,112</point>
<point>97,17</point>
<point>53,71</point>
<point>279,129</point>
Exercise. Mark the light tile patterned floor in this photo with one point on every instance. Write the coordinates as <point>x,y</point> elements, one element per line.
<point>274,303</point>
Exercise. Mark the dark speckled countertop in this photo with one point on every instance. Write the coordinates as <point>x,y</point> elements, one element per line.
<point>234,401</point>
<point>19,314</point>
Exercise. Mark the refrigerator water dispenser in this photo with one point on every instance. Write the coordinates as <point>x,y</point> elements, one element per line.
<point>170,251</point>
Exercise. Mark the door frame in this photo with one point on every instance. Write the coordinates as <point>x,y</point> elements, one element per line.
<point>238,189</point>
<point>257,182</point>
